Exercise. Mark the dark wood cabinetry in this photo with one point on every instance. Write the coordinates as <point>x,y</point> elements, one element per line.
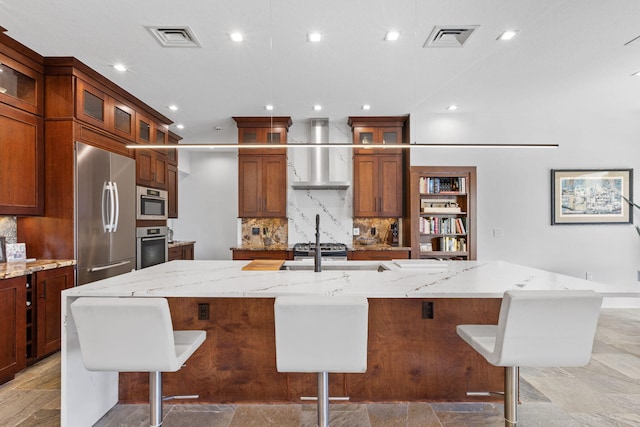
<point>245,254</point>
<point>262,173</point>
<point>377,186</point>
<point>48,287</point>
<point>378,255</point>
<point>443,212</point>
<point>151,169</point>
<point>181,252</point>
<point>172,176</point>
<point>12,327</point>
<point>262,186</point>
<point>378,172</point>
<point>21,130</point>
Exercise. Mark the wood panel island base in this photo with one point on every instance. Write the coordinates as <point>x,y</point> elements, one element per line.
<point>414,353</point>
<point>409,358</point>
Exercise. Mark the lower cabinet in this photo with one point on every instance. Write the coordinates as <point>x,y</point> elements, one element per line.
<point>374,255</point>
<point>181,252</point>
<point>246,254</point>
<point>12,326</point>
<point>48,286</point>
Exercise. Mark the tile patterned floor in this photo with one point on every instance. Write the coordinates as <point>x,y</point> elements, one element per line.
<point>604,393</point>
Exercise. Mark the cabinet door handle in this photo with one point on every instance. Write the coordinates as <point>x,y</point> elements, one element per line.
<point>44,290</point>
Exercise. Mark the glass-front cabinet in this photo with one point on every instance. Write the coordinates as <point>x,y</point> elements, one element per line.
<point>20,86</point>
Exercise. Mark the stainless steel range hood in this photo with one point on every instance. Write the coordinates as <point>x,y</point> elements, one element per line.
<point>319,161</point>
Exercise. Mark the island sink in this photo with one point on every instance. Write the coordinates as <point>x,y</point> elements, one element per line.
<point>336,266</point>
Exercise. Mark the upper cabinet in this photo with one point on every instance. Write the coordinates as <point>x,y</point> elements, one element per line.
<point>101,110</point>
<point>172,175</point>
<point>21,132</point>
<point>378,172</point>
<point>262,172</point>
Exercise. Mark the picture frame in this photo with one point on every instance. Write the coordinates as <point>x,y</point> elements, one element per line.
<point>3,250</point>
<point>591,196</point>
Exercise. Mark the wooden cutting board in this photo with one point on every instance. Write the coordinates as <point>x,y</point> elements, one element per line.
<point>264,264</point>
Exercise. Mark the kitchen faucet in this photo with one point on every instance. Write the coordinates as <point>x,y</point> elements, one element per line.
<point>317,264</point>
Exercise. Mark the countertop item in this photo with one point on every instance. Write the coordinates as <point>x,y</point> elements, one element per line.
<point>438,279</point>
<point>17,269</point>
<point>263,264</point>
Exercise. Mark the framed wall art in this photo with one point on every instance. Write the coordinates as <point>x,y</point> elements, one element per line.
<point>591,196</point>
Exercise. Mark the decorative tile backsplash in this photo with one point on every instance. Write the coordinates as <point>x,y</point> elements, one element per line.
<point>9,228</point>
<point>382,227</point>
<point>264,232</point>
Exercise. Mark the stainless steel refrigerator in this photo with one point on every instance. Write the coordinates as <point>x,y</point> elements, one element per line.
<point>105,214</point>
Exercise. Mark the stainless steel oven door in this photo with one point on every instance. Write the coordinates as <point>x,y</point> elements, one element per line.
<point>151,246</point>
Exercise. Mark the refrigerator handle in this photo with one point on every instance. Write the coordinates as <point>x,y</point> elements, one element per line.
<point>112,208</point>
<point>116,197</point>
<point>106,221</point>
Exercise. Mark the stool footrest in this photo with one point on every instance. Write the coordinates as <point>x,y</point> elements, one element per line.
<point>183,396</point>
<point>344,398</point>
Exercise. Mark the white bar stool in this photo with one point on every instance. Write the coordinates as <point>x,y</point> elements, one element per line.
<point>321,334</point>
<point>536,328</point>
<point>133,335</point>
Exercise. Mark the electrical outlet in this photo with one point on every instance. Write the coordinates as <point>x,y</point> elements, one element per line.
<point>427,309</point>
<point>255,231</point>
<point>203,311</point>
<point>373,231</point>
<point>356,231</point>
<point>588,275</point>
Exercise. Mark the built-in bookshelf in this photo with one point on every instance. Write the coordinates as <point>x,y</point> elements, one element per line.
<point>443,213</point>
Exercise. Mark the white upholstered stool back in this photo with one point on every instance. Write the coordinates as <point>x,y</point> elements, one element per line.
<point>133,335</point>
<point>321,333</point>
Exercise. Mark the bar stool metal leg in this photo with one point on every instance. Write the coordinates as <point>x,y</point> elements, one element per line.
<point>510,396</point>
<point>155,399</point>
<point>323,399</point>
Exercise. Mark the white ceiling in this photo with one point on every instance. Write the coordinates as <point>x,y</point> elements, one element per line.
<point>568,55</point>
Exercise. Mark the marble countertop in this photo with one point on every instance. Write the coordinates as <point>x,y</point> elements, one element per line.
<point>177,243</point>
<point>402,279</point>
<point>378,247</point>
<point>17,269</point>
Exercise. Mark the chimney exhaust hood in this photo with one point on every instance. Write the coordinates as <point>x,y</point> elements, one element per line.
<point>319,161</point>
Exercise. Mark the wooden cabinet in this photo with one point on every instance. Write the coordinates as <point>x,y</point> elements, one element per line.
<point>21,162</point>
<point>378,172</point>
<point>48,287</point>
<point>95,107</point>
<point>443,212</point>
<point>262,186</point>
<point>172,176</point>
<point>378,255</point>
<point>12,327</point>
<point>183,252</point>
<point>245,254</point>
<point>377,186</point>
<point>262,173</point>
<point>151,169</point>
<point>21,130</point>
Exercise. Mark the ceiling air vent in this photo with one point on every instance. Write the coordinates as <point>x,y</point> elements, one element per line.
<point>450,36</point>
<point>174,36</point>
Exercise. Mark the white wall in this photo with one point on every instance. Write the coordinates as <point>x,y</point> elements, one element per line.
<point>513,188</point>
<point>514,185</point>
<point>208,202</point>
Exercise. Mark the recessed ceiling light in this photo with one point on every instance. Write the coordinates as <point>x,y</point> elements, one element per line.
<point>314,37</point>
<point>317,107</point>
<point>507,34</point>
<point>173,107</point>
<point>180,126</point>
<point>392,36</point>
<point>268,107</point>
<point>452,107</point>
<point>120,67</point>
<point>366,107</point>
<point>236,37</point>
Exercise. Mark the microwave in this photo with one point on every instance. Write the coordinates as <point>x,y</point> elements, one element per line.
<point>151,203</point>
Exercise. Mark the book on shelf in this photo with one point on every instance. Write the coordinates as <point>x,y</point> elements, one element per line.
<point>453,244</point>
<point>442,185</point>
<point>438,225</point>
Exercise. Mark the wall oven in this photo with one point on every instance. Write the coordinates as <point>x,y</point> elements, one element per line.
<point>151,203</point>
<point>151,246</point>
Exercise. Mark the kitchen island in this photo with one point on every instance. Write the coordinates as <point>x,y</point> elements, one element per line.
<point>414,353</point>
